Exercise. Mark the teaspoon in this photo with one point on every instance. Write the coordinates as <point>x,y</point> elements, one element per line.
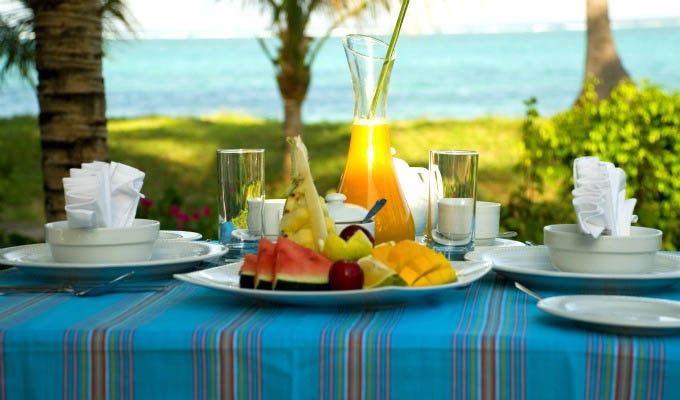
<point>374,210</point>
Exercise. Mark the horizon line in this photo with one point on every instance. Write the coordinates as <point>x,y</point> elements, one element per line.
<point>490,29</point>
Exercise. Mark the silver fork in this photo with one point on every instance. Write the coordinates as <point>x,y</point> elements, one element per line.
<point>103,287</point>
<point>528,291</point>
<point>95,290</point>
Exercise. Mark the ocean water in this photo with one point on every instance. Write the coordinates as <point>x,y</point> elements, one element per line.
<point>458,76</point>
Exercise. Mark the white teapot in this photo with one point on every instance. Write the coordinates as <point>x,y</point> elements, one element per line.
<point>414,182</point>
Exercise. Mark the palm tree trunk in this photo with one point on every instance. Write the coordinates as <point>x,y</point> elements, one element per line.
<point>292,126</point>
<point>602,60</point>
<point>68,36</point>
<point>293,80</point>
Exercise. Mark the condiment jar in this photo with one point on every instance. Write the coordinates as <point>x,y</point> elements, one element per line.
<point>346,214</point>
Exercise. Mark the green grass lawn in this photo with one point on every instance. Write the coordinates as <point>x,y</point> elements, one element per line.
<point>180,153</point>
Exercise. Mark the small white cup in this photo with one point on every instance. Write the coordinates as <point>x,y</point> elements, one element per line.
<point>455,217</point>
<point>273,211</point>
<point>487,221</point>
<point>254,218</point>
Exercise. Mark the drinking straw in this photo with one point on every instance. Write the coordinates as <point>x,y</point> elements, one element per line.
<point>388,58</point>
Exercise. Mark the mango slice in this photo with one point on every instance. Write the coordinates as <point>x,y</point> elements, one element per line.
<point>418,265</point>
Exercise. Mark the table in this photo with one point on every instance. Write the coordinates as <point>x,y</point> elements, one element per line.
<point>488,341</point>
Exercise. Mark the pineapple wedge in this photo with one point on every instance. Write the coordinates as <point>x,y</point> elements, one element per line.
<point>305,217</point>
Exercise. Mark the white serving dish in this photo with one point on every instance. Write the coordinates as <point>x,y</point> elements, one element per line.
<point>346,214</point>
<point>167,257</point>
<point>102,245</point>
<point>572,251</point>
<point>531,266</point>
<point>226,278</point>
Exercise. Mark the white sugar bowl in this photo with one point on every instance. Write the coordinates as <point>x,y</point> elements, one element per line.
<point>573,251</point>
<point>102,245</point>
<point>346,214</point>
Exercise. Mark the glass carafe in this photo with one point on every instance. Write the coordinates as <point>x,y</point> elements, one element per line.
<point>369,173</point>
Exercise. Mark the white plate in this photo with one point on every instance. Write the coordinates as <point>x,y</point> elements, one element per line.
<point>167,258</point>
<point>497,242</point>
<point>623,314</point>
<point>530,265</point>
<point>226,278</point>
<point>179,235</point>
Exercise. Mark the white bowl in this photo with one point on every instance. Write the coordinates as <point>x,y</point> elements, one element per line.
<point>572,251</point>
<point>102,245</point>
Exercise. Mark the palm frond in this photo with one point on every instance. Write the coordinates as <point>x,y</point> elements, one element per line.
<point>340,11</point>
<point>276,7</point>
<point>115,14</point>
<point>17,45</point>
<point>337,8</point>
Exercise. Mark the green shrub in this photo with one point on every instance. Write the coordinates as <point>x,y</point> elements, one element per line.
<point>13,239</point>
<point>637,128</point>
<point>173,214</point>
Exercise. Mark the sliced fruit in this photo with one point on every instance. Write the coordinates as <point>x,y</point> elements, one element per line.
<point>296,219</point>
<point>304,237</point>
<point>409,275</point>
<point>349,231</point>
<point>394,280</point>
<point>346,275</point>
<point>382,252</point>
<point>402,252</point>
<point>304,209</point>
<point>266,257</point>
<point>439,276</point>
<point>359,245</point>
<point>335,248</point>
<point>299,268</point>
<point>356,247</point>
<point>377,274</point>
<point>247,273</point>
<point>418,265</point>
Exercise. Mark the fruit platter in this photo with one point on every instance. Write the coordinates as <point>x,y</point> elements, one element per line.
<point>312,264</point>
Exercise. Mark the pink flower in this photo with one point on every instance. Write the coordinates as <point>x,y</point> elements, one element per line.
<point>181,217</point>
<point>206,211</point>
<point>195,215</point>
<point>146,202</point>
<point>174,210</point>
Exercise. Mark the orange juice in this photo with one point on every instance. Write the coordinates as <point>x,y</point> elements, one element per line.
<point>369,175</point>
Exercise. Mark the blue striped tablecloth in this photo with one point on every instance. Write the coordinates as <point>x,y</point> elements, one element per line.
<point>489,341</point>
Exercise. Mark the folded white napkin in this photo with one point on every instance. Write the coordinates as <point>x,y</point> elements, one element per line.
<point>100,195</point>
<point>599,198</point>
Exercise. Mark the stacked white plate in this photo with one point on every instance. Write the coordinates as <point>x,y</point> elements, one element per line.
<point>497,242</point>
<point>168,257</point>
<point>531,266</point>
<point>179,235</point>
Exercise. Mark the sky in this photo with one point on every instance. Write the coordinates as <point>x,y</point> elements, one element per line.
<point>244,18</point>
<point>234,18</point>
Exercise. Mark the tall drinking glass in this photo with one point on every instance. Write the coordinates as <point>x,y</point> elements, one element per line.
<point>240,179</point>
<point>452,200</point>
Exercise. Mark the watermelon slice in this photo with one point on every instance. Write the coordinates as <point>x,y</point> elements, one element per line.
<point>266,257</point>
<point>247,273</point>
<point>299,268</point>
